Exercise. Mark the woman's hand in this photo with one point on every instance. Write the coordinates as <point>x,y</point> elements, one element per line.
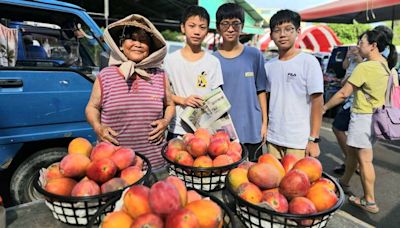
<point>194,101</point>
<point>106,134</point>
<point>157,135</point>
<point>324,109</point>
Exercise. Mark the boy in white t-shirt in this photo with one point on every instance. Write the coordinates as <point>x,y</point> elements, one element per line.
<point>192,71</point>
<point>295,87</point>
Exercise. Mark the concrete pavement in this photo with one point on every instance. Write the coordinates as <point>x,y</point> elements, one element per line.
<point>344,219</point>
<point>387,169</point>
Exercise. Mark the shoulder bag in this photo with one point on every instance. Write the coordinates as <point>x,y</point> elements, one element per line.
<point>386,119</point>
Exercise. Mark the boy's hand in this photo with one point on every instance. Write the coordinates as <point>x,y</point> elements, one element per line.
<point>264,130</point>
<point>106,134</point>
<point>312,149</point>
<point>194,101</point>
<point>157,135</point>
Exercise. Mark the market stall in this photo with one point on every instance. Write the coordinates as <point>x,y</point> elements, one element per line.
<point>353,11</point>
<point>317,38</point>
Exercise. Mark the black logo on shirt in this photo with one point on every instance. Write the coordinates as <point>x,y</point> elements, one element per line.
<point>290,77</point>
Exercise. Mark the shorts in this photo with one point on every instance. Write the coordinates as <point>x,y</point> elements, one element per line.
<point>280,151</point>
<point>171,135</point>
<point>342,120</point>
<point>252,150</point>
<point>360,133</point>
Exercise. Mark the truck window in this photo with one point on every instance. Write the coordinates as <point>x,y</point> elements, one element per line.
<point>55,46</point>
<point>67,43</point>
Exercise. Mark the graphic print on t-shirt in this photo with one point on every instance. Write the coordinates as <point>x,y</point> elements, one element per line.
<point>201,80</point>
<point>249,74</point>
<point>291,76</point>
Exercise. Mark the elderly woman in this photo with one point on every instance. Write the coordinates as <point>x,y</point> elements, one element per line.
<point>131,104</point>
<point>368,81</point>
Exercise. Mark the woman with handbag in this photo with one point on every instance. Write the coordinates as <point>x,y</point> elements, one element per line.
<point>368,81</point>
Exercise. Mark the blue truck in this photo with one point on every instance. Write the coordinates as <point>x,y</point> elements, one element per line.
<point>44,87</point>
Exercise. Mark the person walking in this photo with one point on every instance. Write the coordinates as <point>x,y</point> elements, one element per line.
<point>341,122</point>
<point>368,82</point>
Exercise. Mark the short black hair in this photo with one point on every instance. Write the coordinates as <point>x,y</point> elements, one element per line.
<point>127,32</point>
<point>192,11</point>
<point>230,11</point>
<point>285,16</point>
<point>387,31</point>
<point>380,38</point>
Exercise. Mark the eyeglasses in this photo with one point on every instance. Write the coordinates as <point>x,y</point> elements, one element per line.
<point>287,30</point>
<point>236,25</point>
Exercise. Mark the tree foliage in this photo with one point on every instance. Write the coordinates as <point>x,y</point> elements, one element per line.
<point>172,35</point>
<point>348,33</point>
<point>396,31</point>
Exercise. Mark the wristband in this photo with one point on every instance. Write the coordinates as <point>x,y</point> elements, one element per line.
<point>314,140</point>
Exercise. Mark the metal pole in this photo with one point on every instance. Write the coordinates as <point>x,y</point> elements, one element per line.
<point>106,11</point>
<point>393,17</point>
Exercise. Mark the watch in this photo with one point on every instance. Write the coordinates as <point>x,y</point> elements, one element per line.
<point>314,140</point>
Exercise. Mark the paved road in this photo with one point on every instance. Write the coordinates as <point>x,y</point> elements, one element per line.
<point>387,168</point>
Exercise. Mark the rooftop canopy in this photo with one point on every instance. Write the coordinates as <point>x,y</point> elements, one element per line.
<point>167,13</point>
<point>350,11</point>
<point>317,38</point>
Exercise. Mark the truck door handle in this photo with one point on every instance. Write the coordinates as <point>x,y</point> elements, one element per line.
<point>11,83</point>
<point>64,82</point>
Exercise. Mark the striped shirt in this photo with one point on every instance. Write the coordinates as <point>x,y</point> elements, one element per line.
<point>128,107</point>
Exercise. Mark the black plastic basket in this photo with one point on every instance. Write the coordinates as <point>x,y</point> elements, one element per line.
<point>205,179</point>
<point>78,210</point>
<point>228,216</point>
<point>256,217</point>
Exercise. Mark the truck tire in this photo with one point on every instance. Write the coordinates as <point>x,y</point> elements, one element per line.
<point>21,186</point>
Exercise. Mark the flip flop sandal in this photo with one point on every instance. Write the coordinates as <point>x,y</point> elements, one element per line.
<point>364,204</point>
